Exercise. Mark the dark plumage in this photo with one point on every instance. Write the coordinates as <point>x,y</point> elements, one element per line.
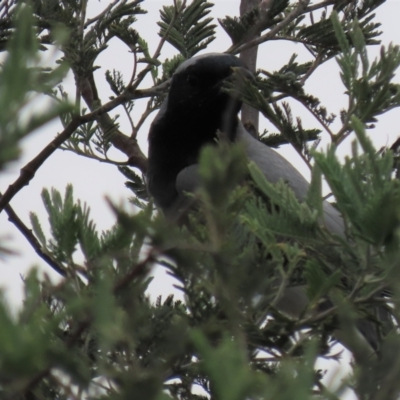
<point>195,109</point>
<point>189,118</point>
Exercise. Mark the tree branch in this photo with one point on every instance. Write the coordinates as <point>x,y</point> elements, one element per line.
<point>28,171</point>
<point>250,116</point>
<point>299,10</point>
<point>126,144</point>
<point>31,238</point>
<point>103,13</point>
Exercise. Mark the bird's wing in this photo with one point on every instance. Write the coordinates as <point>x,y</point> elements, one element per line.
<point>275,167</point>
<point>188,180</point>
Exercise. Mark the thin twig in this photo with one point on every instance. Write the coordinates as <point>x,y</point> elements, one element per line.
<point>136,271</point>
<point>135,62</point>
<point>144,116</point>
<point>133,128</point>
<point>298,40</point>
<point>316,116</point>
<point>320,5</point>
<point>371,295</point>
<point>103,13</point>
<point>78,78</point>
<point>28,171</point>
<point>31,238</point>
<point>93,156</point>
<point>317,62</point>
<point>299,10</point>
<point>124,143</point>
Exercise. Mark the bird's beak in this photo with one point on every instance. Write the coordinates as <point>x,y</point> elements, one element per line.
<point>239,77</point>
<point>244,73</point>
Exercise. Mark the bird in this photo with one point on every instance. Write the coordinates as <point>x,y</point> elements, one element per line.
<point>194,111</point>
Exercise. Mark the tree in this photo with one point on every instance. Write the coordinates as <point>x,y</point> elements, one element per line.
<point>96,334</point>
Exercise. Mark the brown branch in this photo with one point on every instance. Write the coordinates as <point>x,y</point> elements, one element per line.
<point>299,10</point>
<point>71,340</point>
<point>28,171</point>
<point>250,115</point>
<point>136,271</point>
<point>317,62</point>
<point>103,13</point>
<point>316,116</point>
<point>31,238</point>
<point>317,6</point>
<point>126,144</point>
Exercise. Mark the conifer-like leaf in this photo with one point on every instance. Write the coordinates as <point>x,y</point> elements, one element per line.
<point>135,183</point>
<point>314,195</point>
<point>238,28</point>
<point>364,188</point>
<point>19,77</point>
<point>170,65</point>
<point>371,91</point>
<point>253,22</point>
<point>220,170</point>
<point>63,222</point>
<point>189,32</point>
<point>37,229</point>
<point>280,211</point>
<point>323,34</point>
<point>87,234</point>
<point>318,283</point>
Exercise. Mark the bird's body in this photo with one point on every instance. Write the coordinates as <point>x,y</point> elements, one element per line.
<point>195,110</point>
<point>189,119</point>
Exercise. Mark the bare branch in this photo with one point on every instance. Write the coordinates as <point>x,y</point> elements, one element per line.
<point>126,144</point>
<point>103,13</point>
<point>299,10</point>
<point>250,116</point>
<point>31,238</point>
<point>317,6</point>
<point>28,171</point>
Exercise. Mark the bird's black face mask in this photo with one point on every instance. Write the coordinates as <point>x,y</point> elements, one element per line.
<point>198,95</point>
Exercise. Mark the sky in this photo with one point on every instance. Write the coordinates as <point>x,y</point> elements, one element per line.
<point>93,181</point>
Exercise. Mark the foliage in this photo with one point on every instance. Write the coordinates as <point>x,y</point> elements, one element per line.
<point>96,334</point>
<point>185,28</point>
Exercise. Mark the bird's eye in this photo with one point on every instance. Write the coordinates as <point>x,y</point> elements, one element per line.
<point>193,80</point>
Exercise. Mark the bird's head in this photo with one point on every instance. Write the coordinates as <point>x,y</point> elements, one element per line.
<point>195,109</point>
<point>197,88</point>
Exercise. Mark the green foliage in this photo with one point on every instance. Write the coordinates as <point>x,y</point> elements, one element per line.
<point>253,21</point>
<point>169,66</point>
<point>364,188</point>
<point>186,27</point>
<point>323,35</point>
<point>291,219</point>
<point>20,82</point>
<point>372,93</point>
<point>136,184</point>
<point>227,363</point>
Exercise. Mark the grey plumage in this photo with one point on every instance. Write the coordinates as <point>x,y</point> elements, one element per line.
<point>190,117</point>
<point>168,193</point>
